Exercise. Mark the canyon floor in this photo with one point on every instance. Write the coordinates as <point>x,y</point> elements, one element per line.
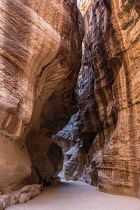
<point>77,196</point>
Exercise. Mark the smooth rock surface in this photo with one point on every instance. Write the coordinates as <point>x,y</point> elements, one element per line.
<point>77,196</point>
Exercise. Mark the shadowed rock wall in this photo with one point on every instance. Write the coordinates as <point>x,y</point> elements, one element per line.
<point>111,43</point>
<point>109,99</point>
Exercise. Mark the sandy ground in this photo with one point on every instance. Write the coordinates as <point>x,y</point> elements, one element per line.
<point>77,196</point>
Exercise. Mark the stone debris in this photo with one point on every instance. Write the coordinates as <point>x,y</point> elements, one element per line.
<point>20,196</point>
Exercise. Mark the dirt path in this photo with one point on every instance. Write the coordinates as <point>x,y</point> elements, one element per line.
<point>77,196</point>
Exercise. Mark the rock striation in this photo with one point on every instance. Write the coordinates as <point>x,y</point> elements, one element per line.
<point>40,59</point>
<point>109,99</point>
<point>111,43</point>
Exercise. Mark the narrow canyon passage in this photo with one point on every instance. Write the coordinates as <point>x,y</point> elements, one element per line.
<point>77,196</point>
<point>70,103</point>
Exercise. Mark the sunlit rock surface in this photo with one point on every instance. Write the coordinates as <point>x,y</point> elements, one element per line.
<point>83,5</point>
<point>40,59</point>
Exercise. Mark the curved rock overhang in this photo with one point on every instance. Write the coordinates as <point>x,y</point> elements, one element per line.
<point>40,60</point>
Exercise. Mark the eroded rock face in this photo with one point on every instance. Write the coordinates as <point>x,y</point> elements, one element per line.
<point>40,59</point>
<point>109,98</point>
<point>68,140</point>
<point>21,196</point>
<point>113,27</point>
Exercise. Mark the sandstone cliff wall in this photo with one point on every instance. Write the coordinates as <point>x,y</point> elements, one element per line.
<point>109,99</point>
<point>40,59</point>
<point>112,43</point>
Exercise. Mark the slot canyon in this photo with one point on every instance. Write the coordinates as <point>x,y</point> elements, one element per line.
<point>69,97</point>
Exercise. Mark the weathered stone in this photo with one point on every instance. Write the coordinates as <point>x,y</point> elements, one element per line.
<point>21,196</point>
<point>109,99</point>
<point>67,139</point>
<point>40,59</point>
<point>112,40</point>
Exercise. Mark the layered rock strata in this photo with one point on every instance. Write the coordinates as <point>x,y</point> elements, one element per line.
<point>40,59</point>
<point>112,40</point>
<point>109,98</point>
